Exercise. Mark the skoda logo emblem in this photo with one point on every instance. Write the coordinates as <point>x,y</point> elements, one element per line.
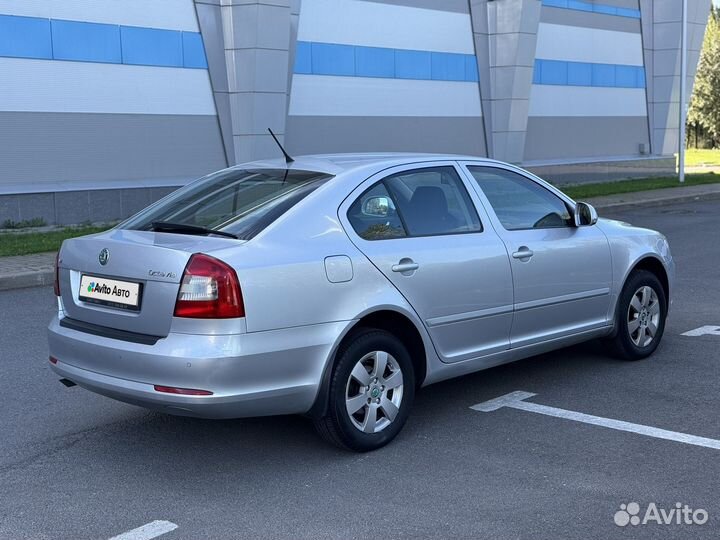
<point>104,256</point>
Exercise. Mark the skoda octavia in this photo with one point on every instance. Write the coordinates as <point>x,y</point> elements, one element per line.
<point>336,286</point>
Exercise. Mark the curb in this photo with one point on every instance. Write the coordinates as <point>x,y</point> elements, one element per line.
<point>624,205</point>
<point>37,278</point>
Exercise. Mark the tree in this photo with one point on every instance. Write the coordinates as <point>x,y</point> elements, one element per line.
<point>705,104</point>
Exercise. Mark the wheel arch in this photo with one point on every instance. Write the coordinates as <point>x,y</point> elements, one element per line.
<point>654,265</point>
<point>651,263</point>
<point>385,318</point>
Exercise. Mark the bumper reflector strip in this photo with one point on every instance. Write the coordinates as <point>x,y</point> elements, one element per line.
<point>182,391</point>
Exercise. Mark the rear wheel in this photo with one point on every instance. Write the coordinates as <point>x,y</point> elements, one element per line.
<point>640,317</point>
<point>371,392</point>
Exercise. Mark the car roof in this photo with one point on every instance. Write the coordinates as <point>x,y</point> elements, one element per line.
<point>375,162</point>
<point>337,163</point>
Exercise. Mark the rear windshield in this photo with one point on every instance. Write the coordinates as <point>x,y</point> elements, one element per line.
<point>238,201</point>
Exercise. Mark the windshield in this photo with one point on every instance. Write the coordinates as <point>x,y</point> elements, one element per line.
<point>238,201</point>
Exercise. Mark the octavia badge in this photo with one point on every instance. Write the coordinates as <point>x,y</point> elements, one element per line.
<point>104,256</point>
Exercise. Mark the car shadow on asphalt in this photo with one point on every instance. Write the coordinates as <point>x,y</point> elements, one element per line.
<point>203,446</point>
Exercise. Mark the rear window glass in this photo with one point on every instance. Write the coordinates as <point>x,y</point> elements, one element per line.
<point>238,201</point>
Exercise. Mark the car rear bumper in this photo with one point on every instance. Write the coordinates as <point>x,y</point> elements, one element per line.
<point>253,374</point>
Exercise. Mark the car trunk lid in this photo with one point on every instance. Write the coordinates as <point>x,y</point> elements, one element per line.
<point>101,275</point>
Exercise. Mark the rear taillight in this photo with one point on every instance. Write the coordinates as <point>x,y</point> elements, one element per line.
<point>209,290</point>
<point>56,285</point>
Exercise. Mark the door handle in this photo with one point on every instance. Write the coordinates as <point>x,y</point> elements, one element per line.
<point>523,253</point>
<point>405,265</point>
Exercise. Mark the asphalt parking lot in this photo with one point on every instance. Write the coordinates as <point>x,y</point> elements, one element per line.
<point>75,465</point>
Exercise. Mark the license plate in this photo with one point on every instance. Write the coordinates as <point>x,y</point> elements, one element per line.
<point>110,292</point>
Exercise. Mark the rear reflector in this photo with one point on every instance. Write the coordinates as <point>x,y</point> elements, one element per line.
<point>53,360</point>
<point>209,290</point>
<point>182,391</point>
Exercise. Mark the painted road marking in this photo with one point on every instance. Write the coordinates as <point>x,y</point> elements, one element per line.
<point>516,400</point>
<point>703,331</point>
<point>147,532</point>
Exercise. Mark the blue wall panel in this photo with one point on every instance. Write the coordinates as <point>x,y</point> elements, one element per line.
<point>88,42</point>
<point>375,62</point>
<point>559,72</point>
<point>303,57</point>
<point>579,74</point>
<point>471,68</point>
<point>626,12</point>
<point>151,46</point>
<point>80,41</point>
<point>625,76</point>
<point>333,59</point>
<point>554,72</point>
<point>537,72</point>
<point>640,78</point>
<point>25,37</point>
<point>579,6</point>
<point>312,58</point>
<point>604,9</point>
<point>193,51</point>
<point>447,66</point>
<point>603,75</point>
<point>413,64</point>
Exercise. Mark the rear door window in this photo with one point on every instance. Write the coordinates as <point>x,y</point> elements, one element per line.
<point>374,216</point>
<point>419,202</point>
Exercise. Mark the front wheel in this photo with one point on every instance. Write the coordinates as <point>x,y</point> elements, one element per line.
<point>371,392</point>
<point>640,317</point>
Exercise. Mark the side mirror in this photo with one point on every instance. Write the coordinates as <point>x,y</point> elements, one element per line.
<point>585,214</point>
<point>376,207</point>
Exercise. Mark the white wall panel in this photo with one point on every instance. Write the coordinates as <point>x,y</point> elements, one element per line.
<point>56,86</point>
<point>354,22</point>
<point>576,44</point>
<point>170,14</point>
<point>319,95</point>
<point>548,100</point>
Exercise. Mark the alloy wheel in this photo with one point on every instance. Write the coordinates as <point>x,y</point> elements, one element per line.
<point>374,392</point>
<point>643,316</point>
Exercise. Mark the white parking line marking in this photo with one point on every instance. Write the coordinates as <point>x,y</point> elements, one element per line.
<point>703,331</point>
<point>147,532</point>
<point>515,400</point>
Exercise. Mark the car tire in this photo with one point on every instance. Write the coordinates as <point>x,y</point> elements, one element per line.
<point>640,317</point>
<point>371,391</point>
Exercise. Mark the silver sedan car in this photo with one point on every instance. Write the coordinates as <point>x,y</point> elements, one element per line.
<point>335,286</point>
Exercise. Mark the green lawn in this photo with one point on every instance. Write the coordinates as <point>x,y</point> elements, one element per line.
<point>39,242</point>
<point>586,191</point>
<point>698,158</point>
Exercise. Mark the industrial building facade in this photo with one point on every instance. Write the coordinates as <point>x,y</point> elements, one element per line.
<point>106,105</point>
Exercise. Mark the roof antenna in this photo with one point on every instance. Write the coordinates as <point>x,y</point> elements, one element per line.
<point>288,159</point>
